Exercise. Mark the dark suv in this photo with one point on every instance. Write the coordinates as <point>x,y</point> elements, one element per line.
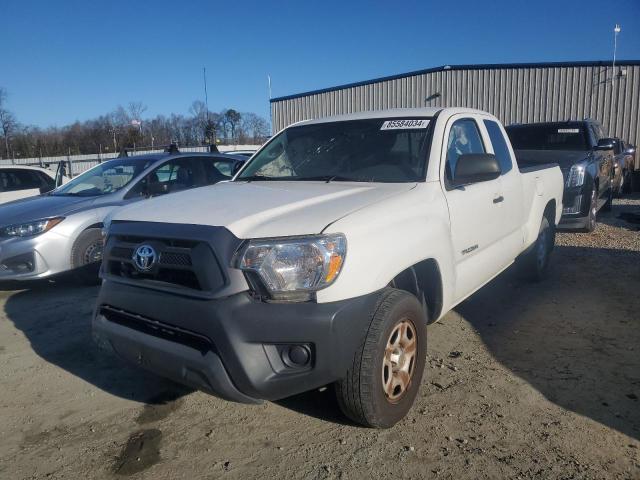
<point>585,157</point>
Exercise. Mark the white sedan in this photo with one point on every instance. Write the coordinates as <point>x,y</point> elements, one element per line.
<point>21,181</point>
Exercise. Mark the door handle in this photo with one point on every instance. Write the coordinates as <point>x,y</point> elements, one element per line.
<point>498,199</point>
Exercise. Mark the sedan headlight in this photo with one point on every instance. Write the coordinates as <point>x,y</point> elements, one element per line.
<point>292,268</point>
<point>576,176</point>
<point>30,229</point>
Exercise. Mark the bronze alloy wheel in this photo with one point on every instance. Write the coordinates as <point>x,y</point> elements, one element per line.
<point>399,360</point>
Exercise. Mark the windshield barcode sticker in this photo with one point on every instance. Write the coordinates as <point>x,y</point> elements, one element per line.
<point>568,130</point>
<point>403,124</point>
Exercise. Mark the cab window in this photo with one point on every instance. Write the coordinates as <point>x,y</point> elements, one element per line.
<point>464,137</point>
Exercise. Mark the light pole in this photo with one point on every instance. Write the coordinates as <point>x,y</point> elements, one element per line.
<point>616,31</point>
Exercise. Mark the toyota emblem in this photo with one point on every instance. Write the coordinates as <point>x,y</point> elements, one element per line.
<point>144,258</point>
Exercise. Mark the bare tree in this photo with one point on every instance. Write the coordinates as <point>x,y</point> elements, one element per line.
<point>255,127</point>
<point>8,122</point>
<point>136,109</point>
<point>232,119</point>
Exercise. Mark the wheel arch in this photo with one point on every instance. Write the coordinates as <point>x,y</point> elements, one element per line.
<point>424,280</point>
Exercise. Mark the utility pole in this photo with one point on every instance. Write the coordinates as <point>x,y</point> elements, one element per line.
<point>206,96</point>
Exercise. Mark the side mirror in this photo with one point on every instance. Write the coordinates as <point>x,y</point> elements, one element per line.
<point>606,144</point>
<point>476,167</point>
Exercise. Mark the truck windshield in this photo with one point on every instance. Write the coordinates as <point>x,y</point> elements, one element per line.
<point>105,178</point>
<point>549,136</point>
<point>371,150</point>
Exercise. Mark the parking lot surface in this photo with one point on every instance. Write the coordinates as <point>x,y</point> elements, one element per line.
<point>522,381</point>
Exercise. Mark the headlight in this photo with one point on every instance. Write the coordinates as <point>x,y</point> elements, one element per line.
<point>576,176</point>
<point>31,228</point>
<point>292,268</point>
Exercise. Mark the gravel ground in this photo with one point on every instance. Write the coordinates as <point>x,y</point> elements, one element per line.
<point>536,381</point>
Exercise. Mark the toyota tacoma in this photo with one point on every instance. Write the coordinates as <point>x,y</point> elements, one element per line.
<point>325,257</point>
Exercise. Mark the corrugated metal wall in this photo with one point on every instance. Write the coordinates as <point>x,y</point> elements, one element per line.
<point>513,94</point>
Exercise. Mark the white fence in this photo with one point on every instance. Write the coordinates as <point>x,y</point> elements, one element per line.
<point>80,163</point>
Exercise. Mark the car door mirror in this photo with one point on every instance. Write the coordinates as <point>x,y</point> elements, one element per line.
<point>475,167</point>
<point>605,144</point>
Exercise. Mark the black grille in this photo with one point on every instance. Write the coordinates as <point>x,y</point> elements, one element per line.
<point>121,252</point>
<point>175,267</point>
<point>168,275</point>
<point>172,258</point>
<point>157,329</point>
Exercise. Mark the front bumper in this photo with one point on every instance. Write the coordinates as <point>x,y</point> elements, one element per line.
<point>237,348</point>
<point>575,208</point>
<point>34,257</point>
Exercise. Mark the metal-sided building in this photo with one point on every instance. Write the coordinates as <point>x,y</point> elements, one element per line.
<point>515,93</point>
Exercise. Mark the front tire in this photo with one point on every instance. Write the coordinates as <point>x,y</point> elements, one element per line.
<point>590,226</point>
<point>626,182</point>
<point>609,203</point>
<point>86,256</point>
<point>384,379</point>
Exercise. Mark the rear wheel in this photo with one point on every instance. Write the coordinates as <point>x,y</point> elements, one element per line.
<point>383,381</point>
<point>86,256</point>
<point>535,262</point>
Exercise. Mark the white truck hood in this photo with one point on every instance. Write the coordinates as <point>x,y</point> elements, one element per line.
<point>263,209</point>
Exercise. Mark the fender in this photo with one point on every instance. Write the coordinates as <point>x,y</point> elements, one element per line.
<point>398,234</point>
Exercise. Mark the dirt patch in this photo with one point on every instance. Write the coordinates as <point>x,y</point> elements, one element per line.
<point>140,452</point>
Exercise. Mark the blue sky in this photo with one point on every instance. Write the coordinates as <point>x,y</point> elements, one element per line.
<point>74,60</point>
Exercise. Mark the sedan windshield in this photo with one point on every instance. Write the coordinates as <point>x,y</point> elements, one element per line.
<point>371,150</point>
<point>105,178</point>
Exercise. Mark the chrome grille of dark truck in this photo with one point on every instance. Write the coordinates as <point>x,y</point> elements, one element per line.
<point>181,264</point>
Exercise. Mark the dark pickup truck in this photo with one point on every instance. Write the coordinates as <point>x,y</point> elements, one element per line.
<point>585,157</point>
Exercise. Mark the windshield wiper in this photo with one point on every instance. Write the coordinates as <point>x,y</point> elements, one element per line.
<point>252,178</point>
<point>74,194</point>
<point>329,178</point>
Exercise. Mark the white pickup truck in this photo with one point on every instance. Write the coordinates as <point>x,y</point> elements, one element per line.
<point>325,257</point>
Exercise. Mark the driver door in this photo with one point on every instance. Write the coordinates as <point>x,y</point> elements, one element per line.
<point>474,210</point>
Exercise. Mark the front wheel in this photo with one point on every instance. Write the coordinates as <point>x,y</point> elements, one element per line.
<point>590,225</point>
<point>609,203</point>
<point>383,381</point>
<point>626,182</point>
<point>86,256</point>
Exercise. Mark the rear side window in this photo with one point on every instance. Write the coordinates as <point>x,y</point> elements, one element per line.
<point>47,182</point>
<point>549,136</point>
<point>500,147</point>
<point>12,180</point>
